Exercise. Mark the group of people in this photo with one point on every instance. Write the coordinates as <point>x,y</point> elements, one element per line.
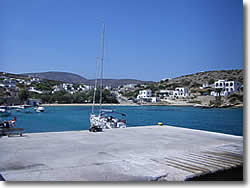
<point>8,124</point>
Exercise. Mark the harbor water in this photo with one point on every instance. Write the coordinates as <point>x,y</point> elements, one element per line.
<point>72,118</point>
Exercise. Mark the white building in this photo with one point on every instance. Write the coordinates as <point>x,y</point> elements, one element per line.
<point>145,94</point>
<point>165,93</point>
<point>81,88</point>
<point>35,80</point>
<point>178,92</point>
<point>67,86</point>
<point>33,102</point>
<point>181,92</point>
<point>206,85</point>
<point>226,87</point>
<point>32,89</point>
<point>232,86</point>
<point>9,83</point>
<point>107,87</point>
<point>88,87</point>
<point>57,88</point>
<point>165,79</point>
<point>155,99</point>
<point>129,86</point>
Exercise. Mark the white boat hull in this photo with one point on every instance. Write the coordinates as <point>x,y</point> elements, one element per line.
<point>106,122</point>
<point>39,109</point>
<point>4,112</point>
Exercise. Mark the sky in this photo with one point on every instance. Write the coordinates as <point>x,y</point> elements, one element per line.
<point>144,39</point>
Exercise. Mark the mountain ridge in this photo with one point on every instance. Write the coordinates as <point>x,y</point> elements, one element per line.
<point>77,79</point>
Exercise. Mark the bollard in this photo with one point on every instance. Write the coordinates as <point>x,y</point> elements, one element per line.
<point>160,123</point>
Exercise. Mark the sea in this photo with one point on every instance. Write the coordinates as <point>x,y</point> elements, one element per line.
<point>74,118</point>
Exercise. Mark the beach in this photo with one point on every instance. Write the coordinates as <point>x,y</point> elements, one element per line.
<point>90,104</point>
<point>134,104</point>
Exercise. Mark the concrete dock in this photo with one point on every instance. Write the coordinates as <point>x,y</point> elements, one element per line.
<point>149,153</point>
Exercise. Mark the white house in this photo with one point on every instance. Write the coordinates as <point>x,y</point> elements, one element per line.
<point>232,86</point>
<point>165,93</point>
<point>226,87</point>
<point>88,87</point>
<point>206,85</point>
<point>57,88</point>
<point>180,92</point>
<point>9,83</point>
<point>107,87</point>
<point>219,84</point>
<point>129,86</point>
<point>165,79</point>
<point>145,94</point>
<point>67,86</point>
<point>32,89</point>
<point>81,88</point>
<point>155,99</point>
<point>35,80</point>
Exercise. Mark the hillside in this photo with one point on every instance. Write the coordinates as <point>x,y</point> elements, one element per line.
<point>197,79</point>
<point>60,76</point>
<point>77,79</point>
<point>117,82</point>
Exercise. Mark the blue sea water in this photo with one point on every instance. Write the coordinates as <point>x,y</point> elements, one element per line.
<point>70,118</point>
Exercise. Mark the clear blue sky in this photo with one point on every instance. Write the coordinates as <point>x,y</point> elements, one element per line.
<point>145,39</point>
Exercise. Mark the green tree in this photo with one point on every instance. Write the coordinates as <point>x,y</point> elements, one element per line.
<point>211,81</point>
<point>23,95</point>
<point>161,87</point>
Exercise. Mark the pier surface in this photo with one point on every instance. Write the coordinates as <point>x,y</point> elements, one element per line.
<point>149,153</point>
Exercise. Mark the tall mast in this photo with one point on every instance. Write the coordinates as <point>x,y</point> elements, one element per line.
<point>97,73</point>
<point>101,73</point>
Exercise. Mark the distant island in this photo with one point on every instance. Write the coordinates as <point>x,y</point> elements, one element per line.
<point>223,88</point>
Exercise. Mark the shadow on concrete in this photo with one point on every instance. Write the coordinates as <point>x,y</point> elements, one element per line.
<point>234,174</point>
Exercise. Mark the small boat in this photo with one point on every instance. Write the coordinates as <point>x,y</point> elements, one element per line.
<point>104,119</point>
<point>4,111</point>
<point>39,109</point>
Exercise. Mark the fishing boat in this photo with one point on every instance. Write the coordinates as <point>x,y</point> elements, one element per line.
<point>4,111</point>
<point>104,119</point>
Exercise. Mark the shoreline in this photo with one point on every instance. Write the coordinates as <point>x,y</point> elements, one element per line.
<point>89,104</point>
<point>129,104</point>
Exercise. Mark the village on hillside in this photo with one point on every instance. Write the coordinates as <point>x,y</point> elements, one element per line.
<point>17,89</point>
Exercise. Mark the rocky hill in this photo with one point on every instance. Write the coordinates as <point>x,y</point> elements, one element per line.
<point>77,79</point>
<point>60,76</point>
<point>197,79</point>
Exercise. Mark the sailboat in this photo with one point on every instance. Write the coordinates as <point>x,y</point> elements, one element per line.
<point>105,118</point>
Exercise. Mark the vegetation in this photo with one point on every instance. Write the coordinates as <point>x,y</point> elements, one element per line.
<point>131,94</point>
<point>23,95</point>
<point>63,97</point>
<point>235,98</point>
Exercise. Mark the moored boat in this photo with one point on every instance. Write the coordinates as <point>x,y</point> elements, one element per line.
<point>4,111</point>
<point>104,119</point>
<point>39,109</point>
